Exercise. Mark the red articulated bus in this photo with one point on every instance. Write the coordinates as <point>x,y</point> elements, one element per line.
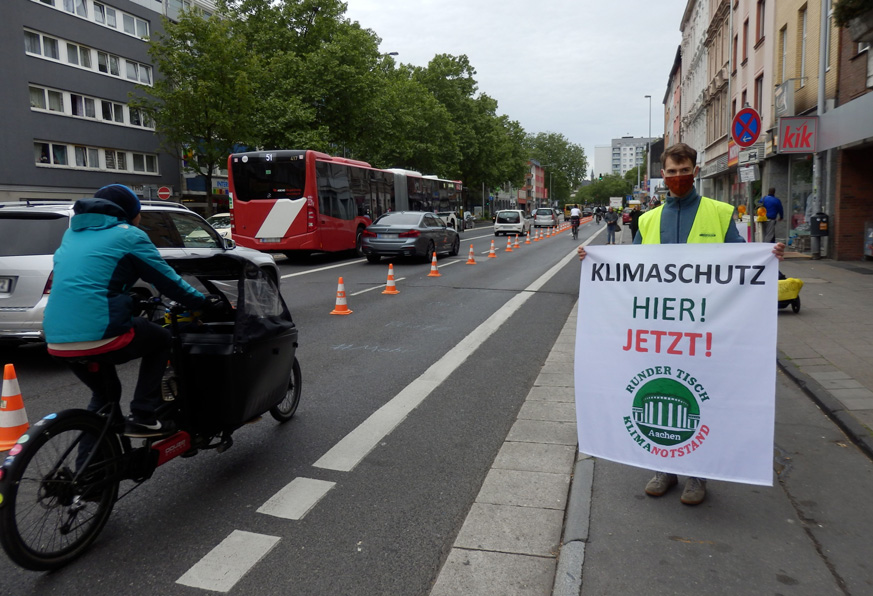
<point>299,202</point>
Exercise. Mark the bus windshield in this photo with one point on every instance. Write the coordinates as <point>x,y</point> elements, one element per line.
<point>258,179</point>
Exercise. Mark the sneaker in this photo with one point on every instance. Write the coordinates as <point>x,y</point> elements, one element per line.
<point>144,429</point>
<point>695,491</point>
<point>661,483</point>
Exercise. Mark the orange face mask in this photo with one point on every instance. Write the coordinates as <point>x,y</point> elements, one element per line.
<point>679,185</point>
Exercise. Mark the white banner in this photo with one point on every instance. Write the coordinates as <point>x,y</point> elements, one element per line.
<point>676,358</point>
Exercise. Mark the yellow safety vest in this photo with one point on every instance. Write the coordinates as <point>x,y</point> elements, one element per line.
<point>710,223</point>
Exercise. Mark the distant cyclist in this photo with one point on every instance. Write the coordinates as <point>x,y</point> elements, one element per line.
<point>575,214</point>
<point>598,213</point>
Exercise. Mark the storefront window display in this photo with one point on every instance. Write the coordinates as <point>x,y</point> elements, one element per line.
<point>801,203</point>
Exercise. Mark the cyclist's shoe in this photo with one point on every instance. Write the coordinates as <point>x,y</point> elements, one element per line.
<point>144,429</point>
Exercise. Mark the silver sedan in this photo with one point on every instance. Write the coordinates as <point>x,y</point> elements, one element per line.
<point>409,234</point>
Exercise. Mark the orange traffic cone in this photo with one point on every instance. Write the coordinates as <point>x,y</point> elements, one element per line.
<point>434,270</point>
<point>527,237</point>
<point>516,245</point>
<point>491,253</point>
<point>537,235</point>
<point>508,244</point>
<point>471,260</point>
<point>341,308</point>
<point>13,417</point>
<point>390,287</point>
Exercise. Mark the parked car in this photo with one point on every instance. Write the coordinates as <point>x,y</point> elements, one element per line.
<point>625,216</point>
<point>409,234</point>
<point>545,217</point>
<point>511,221</point>
<point>450,218</point>
<point>469,220</point>
<point>32,232</point>
<point>587,212</point>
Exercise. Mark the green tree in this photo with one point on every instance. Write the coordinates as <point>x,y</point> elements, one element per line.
<point>202,101</point>
<point>599,191</point>
<point>565,161</point>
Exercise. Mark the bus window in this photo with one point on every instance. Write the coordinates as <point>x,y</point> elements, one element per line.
<point>258,180</point>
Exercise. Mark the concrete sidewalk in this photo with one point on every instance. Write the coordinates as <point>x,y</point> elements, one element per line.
<point>526,535</point>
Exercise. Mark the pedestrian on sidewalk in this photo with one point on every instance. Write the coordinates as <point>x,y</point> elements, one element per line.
<point>774,212</point>
<point>634,224</point>
<point>611,219</point>
<point>710,221</point>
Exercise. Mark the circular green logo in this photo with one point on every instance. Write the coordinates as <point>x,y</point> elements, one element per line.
<point>666,412</point>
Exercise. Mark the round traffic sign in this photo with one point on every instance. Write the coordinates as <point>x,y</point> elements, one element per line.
<point>164,193</point>
<point>746,127</point>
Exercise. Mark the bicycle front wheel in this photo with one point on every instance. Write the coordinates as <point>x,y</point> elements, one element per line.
<point>58,490</point>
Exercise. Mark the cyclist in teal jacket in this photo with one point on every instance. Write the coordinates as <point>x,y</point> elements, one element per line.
<point>89,320</point>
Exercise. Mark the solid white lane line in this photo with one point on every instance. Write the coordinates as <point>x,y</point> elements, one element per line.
<point>297,498</point>
<point>308,271</point>
<point>352,448</point>
<point>228,562</point>
<point>379,287</point>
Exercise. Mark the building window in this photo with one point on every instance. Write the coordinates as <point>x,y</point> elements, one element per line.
<point>56,101</point>
<point>108,63</point>
<point>83,106</point>
<point>76,7</point>
<point>32,43</point>
<point>759,94</point>
<point>745,99</point>
<point>113,112</point>
<point>745,40</point>
<point>736,47</point>
<point>783,64</point>
<point>801,74</point>
<point>759,21</point>
<point>37,98</point>
<point>87,157</point>
<point>59,155</point>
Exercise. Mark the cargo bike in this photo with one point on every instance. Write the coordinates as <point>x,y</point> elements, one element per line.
<point>59,483</point>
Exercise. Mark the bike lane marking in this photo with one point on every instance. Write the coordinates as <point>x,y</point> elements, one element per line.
<point>352,448</point>
<point>227,563</point>
<point>297,498</point>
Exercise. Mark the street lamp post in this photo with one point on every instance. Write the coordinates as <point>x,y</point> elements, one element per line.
<point>649,146</point>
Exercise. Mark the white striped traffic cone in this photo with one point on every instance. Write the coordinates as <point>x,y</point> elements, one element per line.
<point>390,287</point>
<point>13,416</point>
<point>434,270</point>
<point>341,308</point>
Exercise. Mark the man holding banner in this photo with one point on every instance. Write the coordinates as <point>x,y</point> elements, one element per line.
<point>668,337</point>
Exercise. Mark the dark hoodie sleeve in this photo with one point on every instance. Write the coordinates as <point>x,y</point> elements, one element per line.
<point>152,268</point>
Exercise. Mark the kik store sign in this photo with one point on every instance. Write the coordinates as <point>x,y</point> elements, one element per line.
<point>798,134</point>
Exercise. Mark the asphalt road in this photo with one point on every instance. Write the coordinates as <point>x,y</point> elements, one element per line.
<point>387,522</point>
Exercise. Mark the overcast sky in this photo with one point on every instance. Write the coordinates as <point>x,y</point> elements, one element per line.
<point>577,67</point>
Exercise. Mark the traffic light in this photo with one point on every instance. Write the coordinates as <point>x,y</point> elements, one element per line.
<point>600,177</point>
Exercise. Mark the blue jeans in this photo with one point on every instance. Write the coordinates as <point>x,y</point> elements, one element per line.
<point>151,342</point>
<point>610,234</point>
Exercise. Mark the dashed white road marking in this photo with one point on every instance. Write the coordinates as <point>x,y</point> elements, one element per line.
<point>379,287</point>
<point>228,562</point>
<point>352,448</point>
<point>297,498</point>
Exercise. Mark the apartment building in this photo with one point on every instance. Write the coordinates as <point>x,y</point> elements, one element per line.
<point>693,119</point>
<point>673,102</point>
<point>628,152</point>
<point>69,67</point>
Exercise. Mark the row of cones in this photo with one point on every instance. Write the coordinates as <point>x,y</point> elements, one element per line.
<point>342,307</point>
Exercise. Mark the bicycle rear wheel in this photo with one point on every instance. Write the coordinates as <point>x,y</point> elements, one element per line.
<point>58,490</point>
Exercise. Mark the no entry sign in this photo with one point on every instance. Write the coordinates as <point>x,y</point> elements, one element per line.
<point>164,193</point>
<point>746,127</point>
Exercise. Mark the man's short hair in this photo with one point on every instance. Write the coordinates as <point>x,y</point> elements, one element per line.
<point>679,152</point>
<point>772,191</point>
